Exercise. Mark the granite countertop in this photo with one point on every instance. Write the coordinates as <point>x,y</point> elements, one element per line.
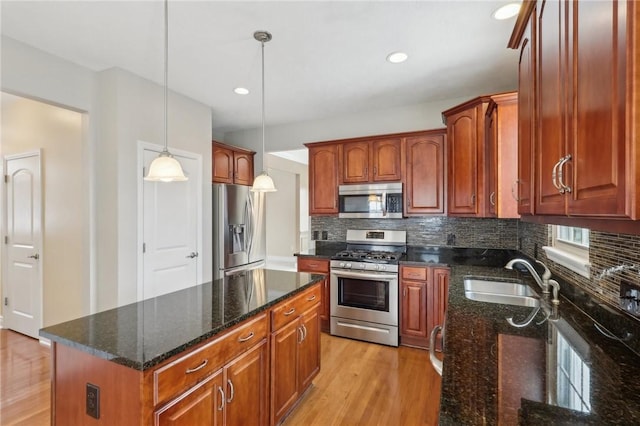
<point>143,334</point>
<point>495,373</point>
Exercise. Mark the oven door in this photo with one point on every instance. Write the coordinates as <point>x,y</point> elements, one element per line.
<point>365,296</point>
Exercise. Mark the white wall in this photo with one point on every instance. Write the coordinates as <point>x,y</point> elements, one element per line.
<point>293,136</point>
<point>122,109</point>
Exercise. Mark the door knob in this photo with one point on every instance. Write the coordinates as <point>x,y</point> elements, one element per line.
<point>192,255</point>
<point>34,256</point>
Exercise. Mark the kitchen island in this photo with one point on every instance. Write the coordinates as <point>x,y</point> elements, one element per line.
<point>204,354</point>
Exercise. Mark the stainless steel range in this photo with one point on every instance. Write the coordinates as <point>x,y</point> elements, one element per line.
<point>364,286</point>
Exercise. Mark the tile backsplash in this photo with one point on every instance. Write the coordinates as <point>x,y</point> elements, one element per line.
<point>430,231</point>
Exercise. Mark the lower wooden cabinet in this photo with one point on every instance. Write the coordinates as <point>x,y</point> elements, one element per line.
<point>295,359</point>
<point>424,292</point>
<point>319,265</point>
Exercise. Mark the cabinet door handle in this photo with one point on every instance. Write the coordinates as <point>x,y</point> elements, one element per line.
<point>244,339</point>
<point>564,187</point>
<point>199,367</point>
<point>312,298</point>
<point>554,175</point>
<point>300,335</point>
<point>492,198</point>
<point>404,292</point>
<point>375,171</point>
<point>289,312</point>
<point>231,390</point>
<point>473,198</point>
<point>514,185</point>
<point>221,407</point>
<point>304,332</point>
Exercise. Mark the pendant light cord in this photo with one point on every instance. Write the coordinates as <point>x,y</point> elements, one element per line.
<point>166,75</point>
<point>264,161</point>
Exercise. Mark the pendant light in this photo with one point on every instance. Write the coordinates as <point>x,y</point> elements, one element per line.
<point>165,168</point>
<point>263,182</point>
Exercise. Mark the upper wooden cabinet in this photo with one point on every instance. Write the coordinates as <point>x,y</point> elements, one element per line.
<point>501,135</point>
<point>323,179</point>
<point>231,164</point>
<point>371,161</point>
<point>424,173</point>
<point>583,57</point>
<point>465,140</point>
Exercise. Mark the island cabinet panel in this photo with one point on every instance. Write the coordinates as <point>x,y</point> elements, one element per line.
<point>231,164</point>
<point>295,351</point>
<point>424,173</point>
<point>317,265</point>
<point>323,179</point>
<point>424,292</point>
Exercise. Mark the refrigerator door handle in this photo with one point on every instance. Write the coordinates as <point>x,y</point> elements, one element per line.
<point>249,224</point>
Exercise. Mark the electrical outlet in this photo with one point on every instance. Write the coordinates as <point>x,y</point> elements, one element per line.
<point>93,401</point>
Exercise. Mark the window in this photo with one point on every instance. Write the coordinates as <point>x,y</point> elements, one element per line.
<point>570,248</point>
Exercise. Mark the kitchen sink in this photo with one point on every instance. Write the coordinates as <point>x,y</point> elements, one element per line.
<point>502,292</point>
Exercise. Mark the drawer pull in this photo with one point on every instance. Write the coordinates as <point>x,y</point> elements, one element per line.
<point>244,339</point>
<point>200,367</point>
<point>289,312</point>
<point>313,297</point>
<point>313,265</point>
<point>221,407</point>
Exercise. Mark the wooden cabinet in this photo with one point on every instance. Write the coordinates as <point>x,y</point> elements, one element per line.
<point>231,164</point>
<point>583,60</point>
<point>424,173</point>
<point>203,405</point>
<point>295,351</point>
<point>526,118</point>
<point>424,293</point>
<point>323,179</point>
<point>371,161</point>
<point>501,135</point>
<point>318,265</point>
<point>465,140</point>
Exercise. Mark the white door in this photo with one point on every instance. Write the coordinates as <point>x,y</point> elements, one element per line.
<point>171,225</point>
<point>23,254</point>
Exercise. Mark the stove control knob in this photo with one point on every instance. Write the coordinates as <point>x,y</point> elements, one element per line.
<point>348,266</point>
<point>382,267</point>
<point>341,264</point>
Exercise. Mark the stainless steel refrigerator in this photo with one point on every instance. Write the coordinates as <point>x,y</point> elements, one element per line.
<point>238,229</point>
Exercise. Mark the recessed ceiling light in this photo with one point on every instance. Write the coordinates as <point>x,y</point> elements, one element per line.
<point>241,91</point>
<point>397,57</point>
<point>507,11</point>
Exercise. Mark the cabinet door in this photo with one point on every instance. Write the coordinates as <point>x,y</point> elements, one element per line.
<point>284,370</point>
<point>323,180</point>
<point>201,405</point>
<point>597,90</point>
<point>551,106</point>
<point>385,160</point>
<point>355,162</point>
<point>309,349</point>
<point>491,136</point>
<point>424,175</point>
<point>243,168</point>
<point>222,164</point>
<point>437,296</point>
<point>526,117</point>
<point>246,388</point>
<point>414,309</point>
<point>462,135</point>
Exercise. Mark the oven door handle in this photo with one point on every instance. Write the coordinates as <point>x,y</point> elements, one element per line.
<point>364,275</point>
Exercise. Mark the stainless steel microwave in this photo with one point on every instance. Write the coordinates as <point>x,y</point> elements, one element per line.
<point>370,201</point>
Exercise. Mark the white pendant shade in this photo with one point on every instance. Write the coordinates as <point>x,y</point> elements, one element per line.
<point>263,183</point>
<point>165,168</point>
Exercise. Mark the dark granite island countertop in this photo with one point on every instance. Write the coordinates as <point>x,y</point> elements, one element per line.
<point>143,334</point>
<point>561,369</point>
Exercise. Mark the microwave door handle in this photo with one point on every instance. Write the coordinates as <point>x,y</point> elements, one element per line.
<point>384,204</point>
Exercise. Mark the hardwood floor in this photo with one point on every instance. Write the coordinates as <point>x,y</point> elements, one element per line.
<point>365,384</point>
<point>25,397</point>
<point>359,384</point>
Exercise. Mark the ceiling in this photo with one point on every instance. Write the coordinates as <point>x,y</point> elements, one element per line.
<point>326,59</point>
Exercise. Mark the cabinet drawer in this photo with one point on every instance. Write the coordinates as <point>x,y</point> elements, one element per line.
<point>313,265</point>
<point>291,309</point>
<point>196,365</point>
<point>414,273</point>
<point>185,372</point>
<point>244,337</point>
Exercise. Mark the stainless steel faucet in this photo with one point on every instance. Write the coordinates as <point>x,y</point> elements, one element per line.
<point>544,282</point>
